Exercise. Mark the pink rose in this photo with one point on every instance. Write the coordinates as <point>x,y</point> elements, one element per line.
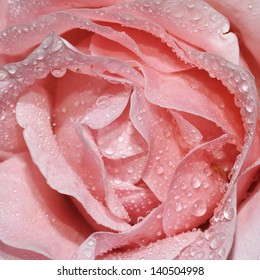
<point>129,129</point>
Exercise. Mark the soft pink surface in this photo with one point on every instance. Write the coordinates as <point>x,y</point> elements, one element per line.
<point>129,130</point>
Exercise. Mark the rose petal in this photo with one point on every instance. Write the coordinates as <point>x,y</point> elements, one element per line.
<point>128,169</point>
<point>120,139</point>
<point>155,125</point>
<point>144,48</point>
<point>165,249</point>
<point>28,203</point>
<point>205,97</point>
<point>196,20</point>
<point>244,17</point>
<point>11,253</point>
<point>28,10</point>
<point>109,106</point>
<point>246,245</point>
<point>197,186</point>
<point>33,114</point>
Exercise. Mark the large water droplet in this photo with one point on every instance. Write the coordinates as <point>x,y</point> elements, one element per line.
<point>58,72</point>
<point>91,242</point>
<point>109,151</point>
<point>217,241</point>
<point>195,182</point>
<point>103,102</point>
<point>229,213</point>
<point>222,252</point>
<point>198,207</point>
<point>179,11</point>
<point>40,54</point>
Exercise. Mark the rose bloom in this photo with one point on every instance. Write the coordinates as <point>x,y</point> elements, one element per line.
<point>129,129</point>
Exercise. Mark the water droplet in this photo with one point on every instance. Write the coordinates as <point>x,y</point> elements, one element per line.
<point>229,213</point>
<point>68,55</point>
<point>212,255</point>
<point>195,182</point>
<point>57,46</point>
<point>58,72</point>
<point>196,15</point>
<point>222,252</point>
<point>91,242</point>
<point>40,54</point>
<point>179,11</point>
<point>249,108</point>
<point>159,169</point>
<point>147,4</point>
<point>167,132</point>
<point>103,102</point>
<point>190,3</point>
<point>204,184</point>
<point>130,169</point>
<point>198,207</point>
<point>183,185</point>
<point>178,207</point>
<point>217,241</point>
<point>88,254</point>
<point>109,151</point>
<point>11,69</point>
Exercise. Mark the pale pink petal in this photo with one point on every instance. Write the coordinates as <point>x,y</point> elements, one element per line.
<point>141,234</point>
<point>155,125</point>
<point>28,203</point>
<point>165,249</point>
<point>109,106</point>
<point>244,17</point>
<point>21,11</point>
<point>33,114</point>
<point>140,46</point>
<point>11,138</point>
<point>197,186</point>
<point>205,97</point>
<point>246,243</point>
<point>3,14</point>
<point>129,169</point>
<point>216,242</point>
<point>120,139</point>
<point>11,253</point>
<point>200,23</point>
<point>138,200</point>
<point>189,136</point>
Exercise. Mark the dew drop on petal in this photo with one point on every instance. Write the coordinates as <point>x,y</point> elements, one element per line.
<point>198,207</point>
<point>217,241</point>
<point>103,102</point>
<point>109,151</point>
<point>178,207</point>
<point>58,72</point>
<point>195,182</point>
<point>159,169</point>
<point>229,214</point>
